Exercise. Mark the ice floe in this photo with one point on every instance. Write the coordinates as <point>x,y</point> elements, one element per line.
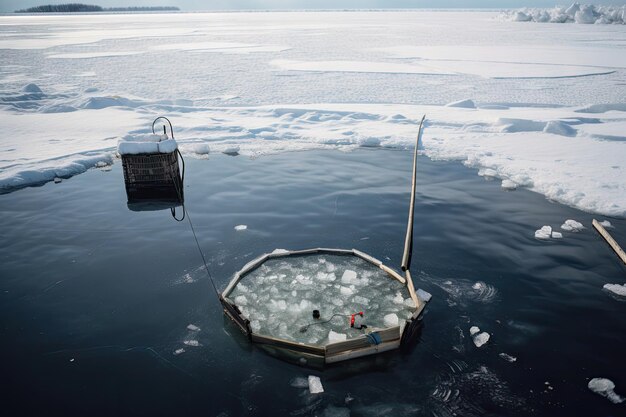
<point>507,357</point>
<point>616,289</point>
<point>193,328</point>
<point>544,233</point>
<point>479,338</point>
<point>241,227</point>
<point>605,387</point>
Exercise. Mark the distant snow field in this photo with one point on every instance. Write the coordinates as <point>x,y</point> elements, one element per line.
<point>260,83</point>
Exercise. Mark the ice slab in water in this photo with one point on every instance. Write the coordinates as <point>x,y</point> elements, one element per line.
<point>605,387</point>
<point>281,294</point>
<point>508,357</point>
<point>193,328</point>
<point>479,338</point>
<point>241,227</point>
<point>424,295</point>
<point>315,385</point>
<point>474,330</point>
<point>606,223</point>
<point>336,337</point>
<point>544,233</point>
<point>557,235</point>
<point>572,226</point>
<point>616,289</point>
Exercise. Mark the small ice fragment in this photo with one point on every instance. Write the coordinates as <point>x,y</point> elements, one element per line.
<point>509,185</point>
<point>409,303</point>
<point>191,343</point>
<point>241,227</point>
<point>336,337</point>
<point>57,180</point>
<point>349,277</point>
<point>255,325</point>
<point>345,291</point>
<point>279,250</point>
<point>606,223</point>
<point>481,338</point>
<point>398,299</point>
<point>315,385</point>
<point>193,328</point>
<point>616,289</point>
<point>72,360</point>
<point>474,330</point>
<point>572,226</point>
<point>508,357</point>
<point>361,300</point>
<point>231,150</point>
<point>478,285</point>
<point>178,351</point>
<point>544,233</point>
<point>241,300</point>
<point>423,295</point>
<point>605,388</point>
<point>557,235</point>
<point>391,320</point>
<point>202,149</point>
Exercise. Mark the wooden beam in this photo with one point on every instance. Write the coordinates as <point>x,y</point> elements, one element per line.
<point>408,240</point>
<point>409,285</point>
<point>609,239</point>
<point>393,273</point>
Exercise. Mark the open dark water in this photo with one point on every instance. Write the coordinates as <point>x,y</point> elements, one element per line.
<point>95,298</point>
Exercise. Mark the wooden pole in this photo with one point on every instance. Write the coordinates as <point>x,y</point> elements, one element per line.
<point>408,240</point>
<point>609,239</point>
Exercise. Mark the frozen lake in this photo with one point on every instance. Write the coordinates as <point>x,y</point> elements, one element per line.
<point>109,309</point>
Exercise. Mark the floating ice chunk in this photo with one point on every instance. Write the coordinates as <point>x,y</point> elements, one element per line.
<point>193,328</point>
<point>349,277</point>
<point>315,385</point>
<point>605,388</point>
<point>509,185</point>
<point>616,289</point>
<point>473,330</point>
<point>231,150</point>
<point>336,337</point>
<point>572,226</point>
<point>424,295</point>
<point>585,15</point>
<point>467,104</point>
<point>557,235</point>
<point>201,149</point>
<point>606,223</point>
<point>57,180</point>
<point>508,357</point>
<point>31,88</point>
<point>478,285</point>
<point>279,250</point>
<point>241,227</point>
<point>398,299</point>
<point>277,305</point>
<point>345,291</point>
<point>391,320</point>
<point>409,303</point>
<point>255,325</point>
<point>544,233</point>
<point>191,343</point>
<point>481,338</point>
<point>559,128</point>
<point>241,300</point>
<point>178,351</point>
<point>363,301</point>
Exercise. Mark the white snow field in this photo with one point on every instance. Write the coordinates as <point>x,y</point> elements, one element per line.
<point>537,105</point>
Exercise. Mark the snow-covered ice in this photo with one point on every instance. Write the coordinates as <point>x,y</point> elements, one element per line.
<point>193,328</point>
<point>605,387</point>
<point>543,116</point>
<point>478,338</point>
<point>241,227</point>
<point>544,233</point>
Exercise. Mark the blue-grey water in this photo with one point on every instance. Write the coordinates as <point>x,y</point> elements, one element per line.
<point>95,298</point>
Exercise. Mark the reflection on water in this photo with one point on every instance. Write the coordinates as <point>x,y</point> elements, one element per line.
<point>97,299</point>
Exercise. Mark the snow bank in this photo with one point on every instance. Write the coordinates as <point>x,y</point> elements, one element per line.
<point>576,13</point>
